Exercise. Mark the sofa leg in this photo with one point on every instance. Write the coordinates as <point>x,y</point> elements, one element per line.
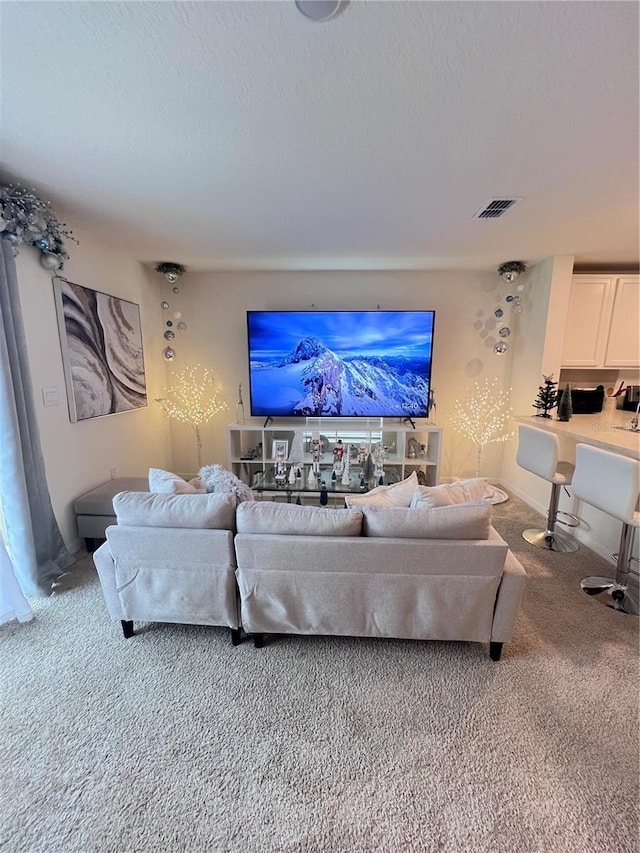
<point>89,544</point>
<point>495,650</point>
<point>258,640</point>
<point>236,636</point>
<point>127,628</point>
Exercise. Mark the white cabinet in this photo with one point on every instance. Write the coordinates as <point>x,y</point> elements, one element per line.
<point>603,322</point>
<point>251,446</point>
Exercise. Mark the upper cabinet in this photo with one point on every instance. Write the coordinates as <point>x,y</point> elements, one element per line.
<point>603,322</point>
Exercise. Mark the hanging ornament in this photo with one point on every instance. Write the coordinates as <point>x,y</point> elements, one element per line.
<point>169,323</point>
<point>175,290</point>
<point>177,314</point>
<point>182,326</point>
<point>42,244</point>
<point>498,313</point>
<point>169,353</point>
<point>516,305</point>
<point>169,335</point>
<point>164,306</point>
<point>510,270</point>
<point>50,261</point>
<point>500,348</point>
<point>509,298</point>
<point>170,271</point>
<point>504,332</point>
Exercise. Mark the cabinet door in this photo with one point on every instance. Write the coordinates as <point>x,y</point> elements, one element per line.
<point>587,326</point>
<point>623,344</point>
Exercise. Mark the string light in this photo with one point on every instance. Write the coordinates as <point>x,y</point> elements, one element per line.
<point>194,399</point>
<point>483,416</point>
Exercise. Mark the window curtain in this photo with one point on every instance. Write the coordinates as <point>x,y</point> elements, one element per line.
<point>36,551</point>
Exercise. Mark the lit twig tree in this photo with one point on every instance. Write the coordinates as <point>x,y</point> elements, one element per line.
<point>193,399</point>
<point>483,416</point>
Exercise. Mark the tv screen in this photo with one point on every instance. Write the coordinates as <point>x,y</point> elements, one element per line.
<point>340,363</point>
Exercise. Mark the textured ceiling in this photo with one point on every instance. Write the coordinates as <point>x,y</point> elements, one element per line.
<point>242,135</point>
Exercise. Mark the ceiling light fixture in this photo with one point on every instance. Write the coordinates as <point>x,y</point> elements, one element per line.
<point>171,271</point>
<point>320,10</point>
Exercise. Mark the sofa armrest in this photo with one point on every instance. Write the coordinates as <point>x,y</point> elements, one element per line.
<point>508,599</point>
<point>105,565</point>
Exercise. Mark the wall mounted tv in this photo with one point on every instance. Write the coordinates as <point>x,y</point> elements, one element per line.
<point>340,363</point>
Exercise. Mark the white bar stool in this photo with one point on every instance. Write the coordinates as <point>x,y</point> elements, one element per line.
<point>611,483</point>
<point>538,452</point>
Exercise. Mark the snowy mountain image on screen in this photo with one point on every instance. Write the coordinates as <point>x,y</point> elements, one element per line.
<point>312,380</point>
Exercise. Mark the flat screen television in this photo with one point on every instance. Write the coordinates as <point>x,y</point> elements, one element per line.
<point>340,363</point>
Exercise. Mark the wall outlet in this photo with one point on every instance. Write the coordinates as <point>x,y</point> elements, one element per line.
<point>113,471</point>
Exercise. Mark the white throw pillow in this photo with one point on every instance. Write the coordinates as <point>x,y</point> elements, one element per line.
<point>217,479</point>
<point>166,483</point>
<point>458,521</point>
<point>397,494</point>
<point>447,494</point>
<point>148,509</point>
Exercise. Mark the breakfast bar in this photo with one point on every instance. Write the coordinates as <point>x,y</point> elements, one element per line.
<point>610,430</point>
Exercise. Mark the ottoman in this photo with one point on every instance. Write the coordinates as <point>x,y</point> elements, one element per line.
<point>94,510</point>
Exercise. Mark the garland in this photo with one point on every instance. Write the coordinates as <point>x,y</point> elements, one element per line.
<point>25,218</point>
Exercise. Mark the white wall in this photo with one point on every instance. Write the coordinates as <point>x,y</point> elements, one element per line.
<point>214,306</point>
<point>78,456</point>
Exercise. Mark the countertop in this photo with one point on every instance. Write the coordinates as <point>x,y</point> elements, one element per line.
<point>608,430</point>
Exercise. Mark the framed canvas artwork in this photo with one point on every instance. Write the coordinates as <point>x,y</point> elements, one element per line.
<point>101,341</point>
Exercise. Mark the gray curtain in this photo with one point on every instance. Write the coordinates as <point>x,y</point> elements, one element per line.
<point>33,539</point>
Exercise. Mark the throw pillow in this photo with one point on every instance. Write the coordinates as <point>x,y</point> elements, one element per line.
<point>397,494</point>
<point>217,479</point>
<point>447,494</point>
<point>291,519</point>
<point>166,483</point>
<point>145,509</point>
<point>458,521</point>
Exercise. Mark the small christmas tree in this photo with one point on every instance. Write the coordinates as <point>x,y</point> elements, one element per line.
<point>565,407</point>
<point>547,398</point>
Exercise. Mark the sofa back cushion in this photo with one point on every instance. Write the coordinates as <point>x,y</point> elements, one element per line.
<point>459,521</point>
<point>397,494</point>
<point>291,519</point>
<point>144,509</point>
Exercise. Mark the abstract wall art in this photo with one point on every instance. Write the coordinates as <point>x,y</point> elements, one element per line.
<point>101,341</point>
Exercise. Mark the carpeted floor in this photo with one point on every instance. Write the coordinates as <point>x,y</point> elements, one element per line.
<point>176,741</point>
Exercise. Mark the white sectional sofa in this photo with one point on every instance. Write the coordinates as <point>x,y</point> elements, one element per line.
<point>170,558</point>
<point>369,571</point>
<point>436,574</point>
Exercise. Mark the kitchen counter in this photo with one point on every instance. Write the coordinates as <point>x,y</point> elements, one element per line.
<point>609,430</point>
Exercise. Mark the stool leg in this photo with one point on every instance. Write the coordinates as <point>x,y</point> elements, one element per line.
<point>615,592</point>
<point>549,538</point>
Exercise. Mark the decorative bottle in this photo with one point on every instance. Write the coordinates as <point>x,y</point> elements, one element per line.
<point>240,407</point>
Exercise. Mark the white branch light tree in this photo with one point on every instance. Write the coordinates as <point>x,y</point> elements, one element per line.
<point>193,399</point>
<point>483,416</point>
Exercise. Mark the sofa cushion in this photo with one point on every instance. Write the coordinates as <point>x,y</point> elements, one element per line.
<point>166,483</point>
<point>459,521</point>
<point>291,519</point>
<point>397,494</point>
<point>144,509</point>
<point>459,492</point>
<point>217,479</point>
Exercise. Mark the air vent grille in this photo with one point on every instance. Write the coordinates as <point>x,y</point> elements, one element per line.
<point>496,207</point>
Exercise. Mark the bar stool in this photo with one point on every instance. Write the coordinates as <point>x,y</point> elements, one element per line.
<point>611,483</point>
<point>538,452</point>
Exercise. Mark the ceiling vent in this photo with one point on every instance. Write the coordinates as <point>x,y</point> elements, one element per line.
<point>496,207</point>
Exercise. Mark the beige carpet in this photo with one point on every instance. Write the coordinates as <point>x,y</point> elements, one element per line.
<point>176,741</point>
